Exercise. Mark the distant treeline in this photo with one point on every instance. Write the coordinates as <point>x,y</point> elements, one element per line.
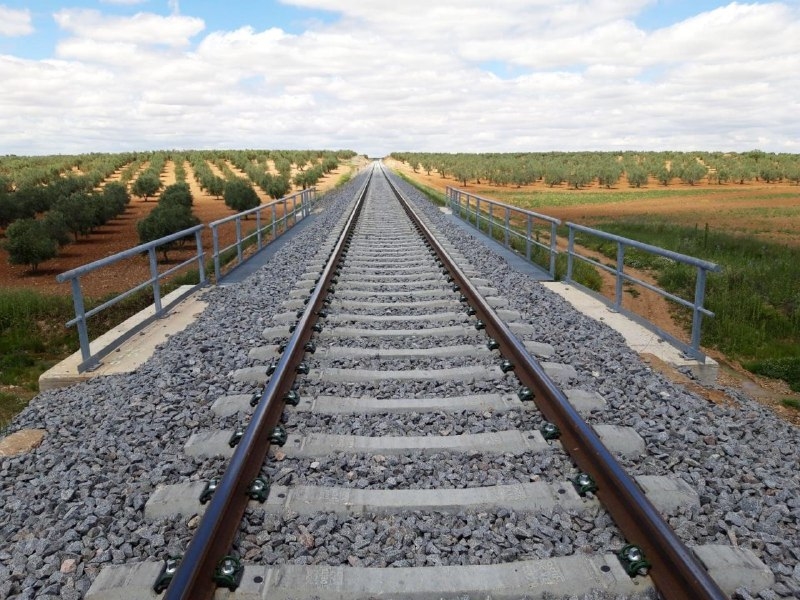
<point>608,169</point>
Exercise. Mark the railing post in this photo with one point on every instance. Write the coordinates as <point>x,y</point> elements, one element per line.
<point>507,223</point>
<point>699,299</point>
<point>274,223</point>
<point>491,221</point>
<point>528,231</point>
<point>201,267</point>
<point>478,213</point>
<point>239,240</point>
<point>258,228</point>
<point>570,251</point>
<point>553,249</point>
<point>294,210</point>
<point>151,253</point>
<point>80,313</point>
<point>285,217</point>
<point>620,269</point>
<point>215,242</point>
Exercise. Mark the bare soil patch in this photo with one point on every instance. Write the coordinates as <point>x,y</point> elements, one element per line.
<point>120,234</point>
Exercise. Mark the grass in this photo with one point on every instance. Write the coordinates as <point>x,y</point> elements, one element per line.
<point>756,298</point>
<point>433,195</point>
<point>791,403</point>
<point>33,337</point>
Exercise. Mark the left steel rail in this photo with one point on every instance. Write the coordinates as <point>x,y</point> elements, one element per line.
<point>221,522</point>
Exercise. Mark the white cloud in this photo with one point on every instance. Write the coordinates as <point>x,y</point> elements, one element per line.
<point>123,2</point>
<point>15,22</point>
<point>517,75</point>
<point>142,28</point>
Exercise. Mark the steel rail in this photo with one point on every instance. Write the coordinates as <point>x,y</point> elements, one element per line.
<point>221,522</point>
<point>676,572</point>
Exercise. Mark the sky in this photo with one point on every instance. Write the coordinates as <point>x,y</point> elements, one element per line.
<point>412,75</point>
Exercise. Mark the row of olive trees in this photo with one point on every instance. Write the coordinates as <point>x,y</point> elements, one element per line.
<point>578,169</point>
<point>31,241</point>
<point>172,214</point>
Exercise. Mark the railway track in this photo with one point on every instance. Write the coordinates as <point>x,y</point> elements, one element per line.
<point>407,444</point>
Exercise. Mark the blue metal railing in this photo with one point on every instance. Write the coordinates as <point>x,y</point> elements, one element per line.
<point>272,224</point>
<point>294,208</point>
<point>497,215</point>
<point>618,271</point>
<point>90,360</point>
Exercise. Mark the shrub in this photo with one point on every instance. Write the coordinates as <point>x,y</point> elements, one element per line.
<point>177,193</point>
<point>28,243</point>
<point>239,195</point>
<point>165,220</point>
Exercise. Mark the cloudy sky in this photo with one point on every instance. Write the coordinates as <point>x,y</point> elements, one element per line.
<point>377,76</point>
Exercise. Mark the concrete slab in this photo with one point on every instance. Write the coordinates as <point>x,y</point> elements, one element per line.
<point>668,493</point>
<point>135,351</point>
<point>225,406</point>
<point>450,331</point>
<point>521,497</point>
<point>553,577</point>
<point>638,338</point>
<point>540,349</point>
<point>171,500</point>
<point>734,567</point>
<point>339,352</point>
<point>585,402</point>
<point>209,443</point>
<point>442,317</point>
<point>468,374</point>
<point>559,373</point>
<point>483,402</point>
<point>317,444</point>
<point>621,440</point>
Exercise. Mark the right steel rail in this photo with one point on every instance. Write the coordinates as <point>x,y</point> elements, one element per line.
<point>676,572</point>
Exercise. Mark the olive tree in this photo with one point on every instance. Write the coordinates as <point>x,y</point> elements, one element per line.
<point>146,185</point>
<point>28,243</point>
<point>239,195</point>
<point>164,220</point>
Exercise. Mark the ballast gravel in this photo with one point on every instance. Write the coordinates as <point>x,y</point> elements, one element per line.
<point>75,504</point>
<point>441,470</point>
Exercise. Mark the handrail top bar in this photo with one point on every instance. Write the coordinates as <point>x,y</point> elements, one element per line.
<point>109,260</point>
<point>251,211</point>
<point>684,258</point>
<point>511,206</point>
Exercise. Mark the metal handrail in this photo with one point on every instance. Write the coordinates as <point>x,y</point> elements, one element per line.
<point>703,268</point>
<point>462,204</point>
<point>89,360</point>
<point>275,225</point>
